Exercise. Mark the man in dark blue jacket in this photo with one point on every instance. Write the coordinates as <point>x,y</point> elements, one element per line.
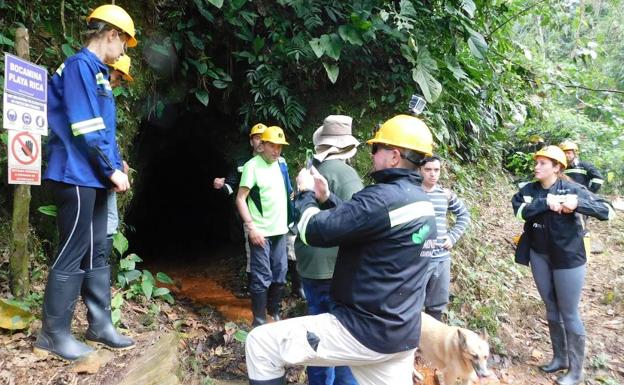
<point>579,171</point>
<point>378,279</point>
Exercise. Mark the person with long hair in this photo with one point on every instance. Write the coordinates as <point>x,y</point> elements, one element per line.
<point>83,163</point>
<point>552,243</point>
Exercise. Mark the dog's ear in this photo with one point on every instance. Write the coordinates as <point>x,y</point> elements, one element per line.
<point>484,335</point>
<point>461,338</point>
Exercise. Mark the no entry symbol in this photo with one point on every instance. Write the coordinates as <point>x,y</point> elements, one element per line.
<point>24,148</point>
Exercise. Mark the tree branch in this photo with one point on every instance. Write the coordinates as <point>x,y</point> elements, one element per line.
<point>515,16</point>
<point>588,88</point>
<point>63,17</point>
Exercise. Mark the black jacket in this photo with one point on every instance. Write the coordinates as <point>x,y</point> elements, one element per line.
<point>378,282</point>
<point>586,174</point>
<point>560,236</point>
<point>233,178</point>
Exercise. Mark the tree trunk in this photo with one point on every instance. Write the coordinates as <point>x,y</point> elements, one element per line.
<point>19,260</point>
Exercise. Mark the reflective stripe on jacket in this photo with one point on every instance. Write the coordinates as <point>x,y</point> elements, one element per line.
<point>586,174</point>
<point>82,148</point>
<point>379,273</point>
<point>560,236</point>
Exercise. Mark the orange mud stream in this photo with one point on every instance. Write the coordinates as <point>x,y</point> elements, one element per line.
<point>207,281</point>
<point>208,291</point>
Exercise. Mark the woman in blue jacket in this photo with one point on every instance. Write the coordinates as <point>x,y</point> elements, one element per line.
<point>553,240</point>
<point>83,163</point>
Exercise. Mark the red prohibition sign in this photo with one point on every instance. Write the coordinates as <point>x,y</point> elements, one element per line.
<point>22,152</point>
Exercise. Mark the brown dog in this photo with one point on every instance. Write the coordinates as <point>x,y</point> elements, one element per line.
<point>456,352</point>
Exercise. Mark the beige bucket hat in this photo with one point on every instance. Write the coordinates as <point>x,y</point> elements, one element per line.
<point>334,139</point>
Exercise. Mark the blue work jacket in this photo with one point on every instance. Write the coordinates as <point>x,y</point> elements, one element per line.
<point>82,148</point>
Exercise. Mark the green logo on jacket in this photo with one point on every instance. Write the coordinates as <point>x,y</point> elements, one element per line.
<point>420,236</point>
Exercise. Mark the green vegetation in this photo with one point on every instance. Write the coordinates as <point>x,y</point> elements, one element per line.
<point>135,284</point>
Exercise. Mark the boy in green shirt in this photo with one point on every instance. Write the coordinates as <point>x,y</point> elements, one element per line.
<point>262,201</point>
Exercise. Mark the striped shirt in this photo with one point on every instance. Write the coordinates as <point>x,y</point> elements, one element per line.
<point>444,201</point>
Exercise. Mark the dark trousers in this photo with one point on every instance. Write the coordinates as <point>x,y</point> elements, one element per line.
<point>319,301</point>
<point>268,264</point>
<point>81,220</point>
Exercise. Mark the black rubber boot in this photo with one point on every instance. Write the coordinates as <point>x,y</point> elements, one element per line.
<point>276,292</point>
<point>96,294</point>
<point>437,314</point>
<point>275,381</point>
<point>296,288</point>
<point>258,307</point>
<point>576,355</point>
<point>59,302</point>
<point>560,352</point>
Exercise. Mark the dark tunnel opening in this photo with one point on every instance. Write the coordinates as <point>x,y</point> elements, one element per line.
<point>175,212</point>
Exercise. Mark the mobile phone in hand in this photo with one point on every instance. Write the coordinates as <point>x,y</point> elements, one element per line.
<point>309,159</point>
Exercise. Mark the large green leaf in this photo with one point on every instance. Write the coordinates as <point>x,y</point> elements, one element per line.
<point>469,6</point>
<point>202,9</point>
<point>317,48</point>
<point>407,9</point>
<point>332,71</point>
<point>477,44</point>
<point>126,264</point>
<point>6,41</point>
<point>201,67</point>
<point>241,336</point>
<point>131,275</point>
<point>216,3</point>
<point>134,257</point>
<point>237,4</point>
<point>49,210</point>
<point>453,65</point>
<point>159,292</point>
<point>68,50</point>
<point>197,42</point>
<point>423,75</point>
<point>120,243</point>
<point>147,287</point>
<point>13,317</point>
<point>219,84</point>
<point>164,278</point>
<point>330,45</point>
<point>117,301</point>
<point>203,96</point>
<point>350,35</point>
<point>116,316</point>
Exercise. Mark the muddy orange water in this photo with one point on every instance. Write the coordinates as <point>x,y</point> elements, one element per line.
<point>206,290</point>
<point>207,281</point>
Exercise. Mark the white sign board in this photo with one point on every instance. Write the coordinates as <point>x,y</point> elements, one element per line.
<point>24,158</point>
<point>25,96</point>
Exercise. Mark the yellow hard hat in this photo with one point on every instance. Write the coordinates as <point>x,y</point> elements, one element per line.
<point>407,132</point>
<point>117,17</point>
<point>554,153</point>
<point>123,65</point>
<point>568,145</point>
<point>273,134</point>
<point>257,129</point>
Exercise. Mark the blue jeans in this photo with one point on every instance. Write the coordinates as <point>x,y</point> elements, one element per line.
<point>319,301</point>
